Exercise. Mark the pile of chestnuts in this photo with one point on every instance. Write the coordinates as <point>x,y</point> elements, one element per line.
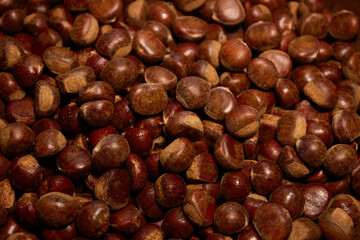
<point>183,119</point>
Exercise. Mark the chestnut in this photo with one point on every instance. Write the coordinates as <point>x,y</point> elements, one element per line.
<point>56,209</point>
<point>216,32</point>
<point>222,15</point>
<point>272,221</point>
<point>342,50</point>
<point>203,168</point>
<point>137,170</point>
<point>69,119</point>
<point>176,225</point>
<point>349,204</point>
<point>25,173</point>
<point>178,155</point>
<point>314,24</point>
<point>147,98</point>
<point>284,19</point>
<point>281,60</point>
<point>97,113</point>
<point>47,98</point>
<point>120,73</point>
<point>149,231</point>
<point>290,197</point>
<point>317,197</point>
<point>113,188</point>
<point>221,102</point>
<point>45,38</point>
<point>148,47</point>
<point>177,63</point>
<point>10,53</point>
<point>44,124</point>
<point>63,233</point>
<point>230,218</point>
<point>235,55</point>
<point>229,153</point>
<point>332,228</point>
<point>93,219</point>
<point>263,73</point>
<point>305,228</point>
<point>28,70</point>
<point>304,49</point>
<point>22,110</point>
<point>110,152</point>
<point>242,121</point>
<point>85,30</point>
<point>49,142</point>
<point>115,43</point>
<point>97,63</point>
<point>56,183</point>
<point>7,196</point>
<point>235,186</point>
<point>350,67</point>
<point>170,190</point>
<point>34,22</point>
<point>162,76</point>
<point>212,131</point>
<point>341,160</point>
<point>153,165</point>
<point>105,11</point>
<point>147,204</point>
<point>304,74</point>
<point>123,118</point>
<point>291,164</point>
<point>59,59</point>
<point>270,36</point>
<point>11,226</point>
<point>270,150</point>
<point>126,221</point>
<point>162,12</point>
<point>344,25</point>
<point>193,92</point>
<point>185,124</point>
<point>291,127</point>
<point>265,177</point>
<point>161,31</point>
<point>236,82</point>
<point>189,28</point>
<point>22,235</point>
<point>286,92</point>
<point>73,80</point>
<point>10,88</point>
<point>256,13</point>
<point>322,91</point>
<point>135,13</point>
<point>311,150</point>
<point>205,70</point>
<point>4,167</point>
<point>188,49</point>
<point>74,161</point>
<point>13,20</point>
<point>15,139</point>
<point>209,51</point>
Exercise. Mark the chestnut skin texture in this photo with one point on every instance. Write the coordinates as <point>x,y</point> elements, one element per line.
<point>272,221</point>
<point>113,188</point>
<point>16,134</point>
<point>199,207</point>
<point>56,209</point>
<point>230,218</point>
<point>93,219</point>
<point>290,197</point>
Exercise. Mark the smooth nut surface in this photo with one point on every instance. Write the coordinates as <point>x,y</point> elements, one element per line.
<point>148,99</point>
